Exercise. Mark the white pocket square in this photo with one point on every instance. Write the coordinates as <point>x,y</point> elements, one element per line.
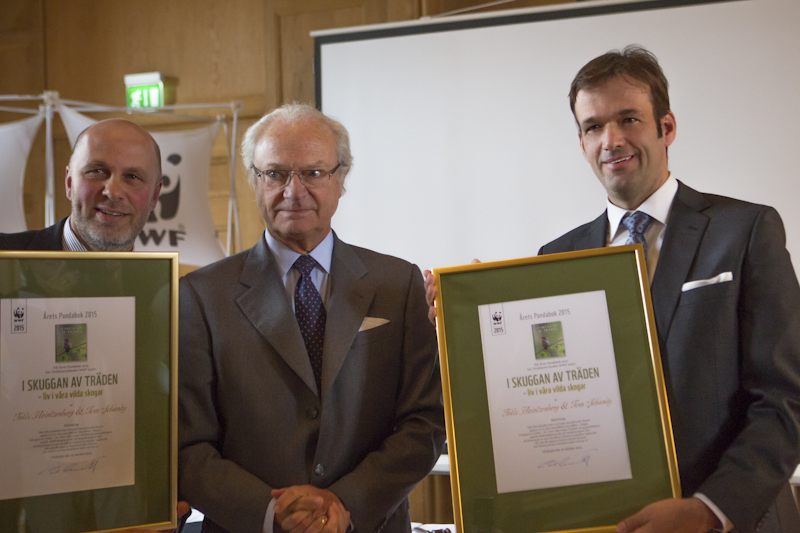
<point>372,322</point>
<point>722,278</point>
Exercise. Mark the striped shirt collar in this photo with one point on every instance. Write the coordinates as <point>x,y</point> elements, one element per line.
<point>69,241</point>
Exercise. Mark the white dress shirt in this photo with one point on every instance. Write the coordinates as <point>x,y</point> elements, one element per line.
<point>658,206</point>
<point>285,257</point>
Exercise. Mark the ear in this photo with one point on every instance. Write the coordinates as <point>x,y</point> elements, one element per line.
<point>68,184</point>
<point>342,190</point>
<point>583,148</point>
<point>668,127</point>
<point>154,200</point>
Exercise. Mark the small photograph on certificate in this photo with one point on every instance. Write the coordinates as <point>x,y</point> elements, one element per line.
<point>67,395</point>
<point>554,401</point>
<point>70,343</point>
<point>548,340</point>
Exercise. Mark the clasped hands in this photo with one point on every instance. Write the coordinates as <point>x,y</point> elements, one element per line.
<point>308,509</point>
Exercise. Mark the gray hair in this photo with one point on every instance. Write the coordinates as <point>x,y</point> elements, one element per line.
<point>293,114</point>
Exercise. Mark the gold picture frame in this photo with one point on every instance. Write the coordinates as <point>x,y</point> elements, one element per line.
<point>592,507</point>
<point>150,280</point>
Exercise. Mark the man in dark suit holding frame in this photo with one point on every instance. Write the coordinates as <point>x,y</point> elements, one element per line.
<point>112,181</point>
<point>726,301</point>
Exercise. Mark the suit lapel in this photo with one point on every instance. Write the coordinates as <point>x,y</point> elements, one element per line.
<point>49,238</point>
<point>596,234</point>
<point>685,229</point>
<point>350,298</point>
<point>267,307</point>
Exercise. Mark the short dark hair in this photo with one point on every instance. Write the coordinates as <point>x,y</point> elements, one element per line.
<point>632,62</point>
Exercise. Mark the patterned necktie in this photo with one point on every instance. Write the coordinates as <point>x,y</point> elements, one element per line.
<point>637,223</point>
<point>310,314</point>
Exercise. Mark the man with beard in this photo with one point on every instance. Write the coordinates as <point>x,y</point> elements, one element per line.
<point>113,180</point>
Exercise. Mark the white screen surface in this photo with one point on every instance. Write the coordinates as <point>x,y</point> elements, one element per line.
<point>465,145</point>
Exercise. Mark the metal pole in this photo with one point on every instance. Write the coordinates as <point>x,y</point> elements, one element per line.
<point>50,100</point>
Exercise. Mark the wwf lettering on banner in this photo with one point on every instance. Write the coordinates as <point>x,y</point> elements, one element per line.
<point>166,209</point>
<point>498,319</point>
<point>19,310</point>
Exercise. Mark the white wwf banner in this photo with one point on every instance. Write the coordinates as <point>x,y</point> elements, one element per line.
<point>181,222</point>
<point>16,139</point>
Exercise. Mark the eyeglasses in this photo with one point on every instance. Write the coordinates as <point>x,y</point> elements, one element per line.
<point>310,178</point>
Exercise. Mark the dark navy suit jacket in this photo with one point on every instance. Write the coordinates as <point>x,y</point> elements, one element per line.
<point>47,239</point>
<point>730,351</point>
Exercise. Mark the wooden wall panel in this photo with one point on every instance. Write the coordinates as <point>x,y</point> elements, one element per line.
<point>297,48</point>
<point>215,49</point>
<point>22,72</point>
<point>295,19</point>
<point>21,48</point>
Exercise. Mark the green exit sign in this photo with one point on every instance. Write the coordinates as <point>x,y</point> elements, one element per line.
<point>146,95</point>
<point>148,89</point>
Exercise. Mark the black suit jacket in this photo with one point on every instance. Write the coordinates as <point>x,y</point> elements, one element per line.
<point>730,352</point>
<point>47,239</point>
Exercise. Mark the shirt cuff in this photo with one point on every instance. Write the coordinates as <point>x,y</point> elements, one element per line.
<point>269,518</point>
<point>726,524</point>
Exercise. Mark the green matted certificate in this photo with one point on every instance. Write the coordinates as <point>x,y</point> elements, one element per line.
<point>557,416</point>
<point>88,391</point>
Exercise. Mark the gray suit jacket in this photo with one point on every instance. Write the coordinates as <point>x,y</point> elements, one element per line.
<point>730,351</point>
<point>250,418</point>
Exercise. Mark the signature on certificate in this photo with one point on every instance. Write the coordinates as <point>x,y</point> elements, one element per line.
<point>569,461</point>
<point>72,467</point>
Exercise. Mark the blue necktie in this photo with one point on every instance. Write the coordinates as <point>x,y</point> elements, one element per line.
<point>310,314</point>
<point>637,223</point>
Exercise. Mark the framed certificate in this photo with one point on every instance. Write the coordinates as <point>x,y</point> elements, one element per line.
<point>557,416</point>
<point>88,391</point>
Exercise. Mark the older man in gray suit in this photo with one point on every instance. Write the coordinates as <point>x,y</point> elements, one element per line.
<point>310,395</point>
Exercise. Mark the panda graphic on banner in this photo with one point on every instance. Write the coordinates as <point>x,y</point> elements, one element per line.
<point>181,221</point>
<point>167,207</point>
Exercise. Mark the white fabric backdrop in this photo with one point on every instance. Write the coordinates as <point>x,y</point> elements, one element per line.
<point>182,219</point>
<point>16,139</point>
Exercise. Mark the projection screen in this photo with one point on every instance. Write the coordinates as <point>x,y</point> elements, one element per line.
<point>465,145</point>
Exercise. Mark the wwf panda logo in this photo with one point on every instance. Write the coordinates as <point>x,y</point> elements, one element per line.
<point>169,199</point>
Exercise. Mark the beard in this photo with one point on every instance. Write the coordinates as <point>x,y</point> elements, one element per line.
<point>101,237</point>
